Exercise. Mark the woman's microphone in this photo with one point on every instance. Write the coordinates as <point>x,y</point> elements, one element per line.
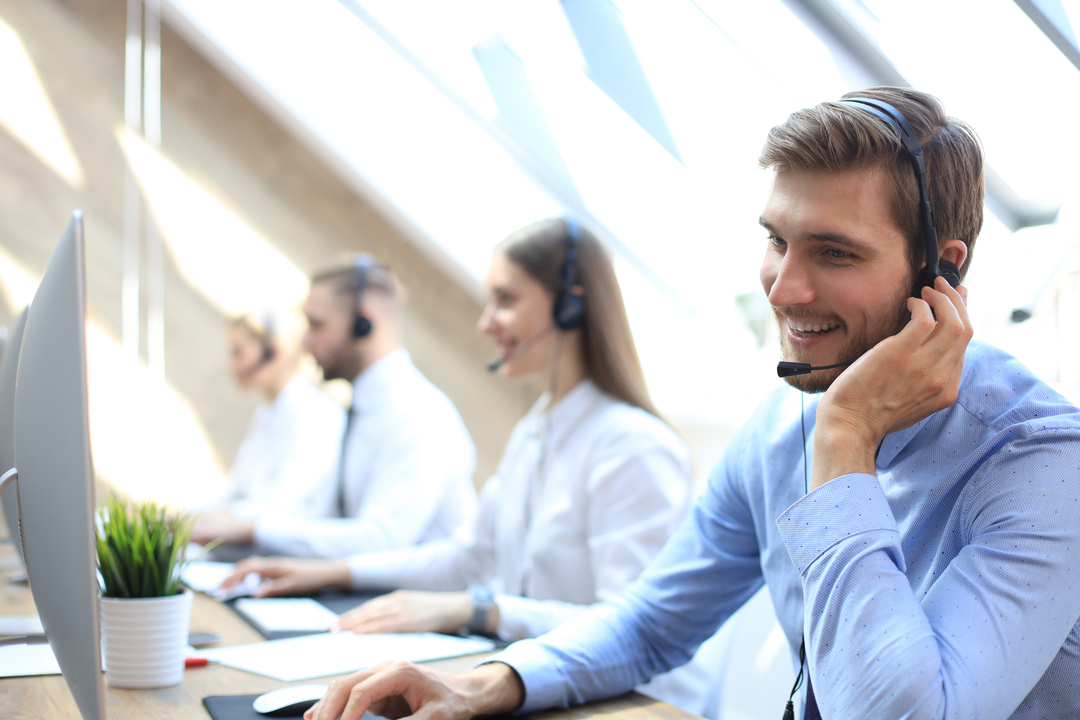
<point>520,349</point>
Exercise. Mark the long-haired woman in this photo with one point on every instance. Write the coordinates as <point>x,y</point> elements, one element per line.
<point>591,484</point>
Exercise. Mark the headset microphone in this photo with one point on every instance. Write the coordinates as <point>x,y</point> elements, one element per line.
<point>520,349</point>
<point>788,369</point>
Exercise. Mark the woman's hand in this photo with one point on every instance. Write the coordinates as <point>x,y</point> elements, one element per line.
<point>290,576</point>
<point>410,611</point>
<point>399,689</point>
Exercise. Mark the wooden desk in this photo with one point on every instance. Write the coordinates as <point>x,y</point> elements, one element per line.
<point>34,698</point>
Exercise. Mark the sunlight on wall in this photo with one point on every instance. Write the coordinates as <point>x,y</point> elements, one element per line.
<point>27,113</point>
<point>146,440</point>
<point>228,263</point>
<point>17,284</point>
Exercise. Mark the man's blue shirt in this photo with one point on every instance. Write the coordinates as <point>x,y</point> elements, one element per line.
<point>946,586</point>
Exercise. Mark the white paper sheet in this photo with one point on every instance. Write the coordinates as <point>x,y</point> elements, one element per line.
<point>20,625</point>
<point>315,656</point>
<point>24,660</point>
<point>206,577</point>
<point>277,614</point>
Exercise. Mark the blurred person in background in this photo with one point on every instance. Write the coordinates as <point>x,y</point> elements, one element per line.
<point>591,484</point>
<point>292,443</point>
<point>403,466</point>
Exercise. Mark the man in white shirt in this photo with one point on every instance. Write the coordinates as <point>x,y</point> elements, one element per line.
<point>405,471</point>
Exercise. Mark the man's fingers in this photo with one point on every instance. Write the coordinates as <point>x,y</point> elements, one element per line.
<point>332,703</point>
<point>953,330</point>
<point>949,309</point>
<point>393,678</point>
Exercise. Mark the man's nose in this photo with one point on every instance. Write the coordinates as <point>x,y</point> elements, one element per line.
<point>791,282</point>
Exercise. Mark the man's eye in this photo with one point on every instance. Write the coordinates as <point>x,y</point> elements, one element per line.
<point>777,241</point>
<point>837,254</point>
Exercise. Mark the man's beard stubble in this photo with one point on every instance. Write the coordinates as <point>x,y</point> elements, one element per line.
<point>818,381</point>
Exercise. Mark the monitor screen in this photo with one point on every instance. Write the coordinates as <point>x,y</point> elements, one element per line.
<point>8,366</point>
<point>52,455</point>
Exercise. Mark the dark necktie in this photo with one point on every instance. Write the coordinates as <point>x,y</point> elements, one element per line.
<point>341,463</point>
<point>811,702</point>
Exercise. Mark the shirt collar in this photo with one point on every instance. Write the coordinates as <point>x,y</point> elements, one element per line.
<point>563,417</point>
<point>895,442</point>
<point>372,380</point>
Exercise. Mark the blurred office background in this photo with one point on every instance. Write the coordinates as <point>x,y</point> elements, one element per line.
<point>226,152</point>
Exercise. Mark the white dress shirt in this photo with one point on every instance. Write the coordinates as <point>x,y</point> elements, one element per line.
<point>408,472</point>
<point>584,497</point>
<point>289,451</point>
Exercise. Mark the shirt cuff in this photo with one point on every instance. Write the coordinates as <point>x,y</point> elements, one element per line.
<point>544,685</point>
<point>374,571</point>
<point>847,506</point>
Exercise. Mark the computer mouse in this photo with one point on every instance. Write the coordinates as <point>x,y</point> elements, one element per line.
<point>292,701</point>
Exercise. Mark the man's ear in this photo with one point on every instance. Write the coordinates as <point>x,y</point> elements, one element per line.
<point>954,251</point>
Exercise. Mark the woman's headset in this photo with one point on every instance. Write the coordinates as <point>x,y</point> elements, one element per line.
<point>568,312</point>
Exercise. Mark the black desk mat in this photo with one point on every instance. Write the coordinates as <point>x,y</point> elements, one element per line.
<point>238,707</point>
<point>233,707</point>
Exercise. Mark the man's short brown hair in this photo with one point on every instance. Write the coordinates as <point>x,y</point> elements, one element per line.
<point>345,279</point>
<point>836,137</point>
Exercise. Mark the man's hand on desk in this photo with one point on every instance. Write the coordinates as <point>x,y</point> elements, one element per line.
<point>900,381</point>
<point>398,689</point>
<point>214,524</point>
<point>415,611</point>
<point>291,576</point>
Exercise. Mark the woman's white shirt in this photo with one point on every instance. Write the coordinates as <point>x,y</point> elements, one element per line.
<point>290,449</point>
<point>608,484</point>
<point>584,497</point>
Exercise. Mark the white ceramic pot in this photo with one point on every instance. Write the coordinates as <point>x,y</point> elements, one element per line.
<point>144,640</point>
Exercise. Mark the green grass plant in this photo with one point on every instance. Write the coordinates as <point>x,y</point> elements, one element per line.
<point>140,548</point>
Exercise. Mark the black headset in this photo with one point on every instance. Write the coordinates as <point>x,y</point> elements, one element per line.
<point>362,264</point>
<point>568,313</point>
<point>267,342</point>
<point>934,267</point>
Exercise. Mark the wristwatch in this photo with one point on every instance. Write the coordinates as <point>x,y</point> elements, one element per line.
<point>482,601</point>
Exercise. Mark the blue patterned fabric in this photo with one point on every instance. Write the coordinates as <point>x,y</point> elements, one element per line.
<point>946,586</point>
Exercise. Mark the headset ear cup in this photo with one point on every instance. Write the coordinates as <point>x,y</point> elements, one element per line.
<point>361,326</point>
<point>949,271</point>
<point>569,312</point>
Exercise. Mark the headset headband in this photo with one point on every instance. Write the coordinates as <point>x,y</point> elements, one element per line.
<point>362,264</point>
<point>569,309</point>
<point>896,120</point>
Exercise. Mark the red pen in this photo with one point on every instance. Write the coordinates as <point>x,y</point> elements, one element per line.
<point>195,662</point>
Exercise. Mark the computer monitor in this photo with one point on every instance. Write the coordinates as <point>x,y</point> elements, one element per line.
<point>10,363</point>
<point>55,475</point>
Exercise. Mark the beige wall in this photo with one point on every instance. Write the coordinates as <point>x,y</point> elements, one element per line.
<point>218,137</point>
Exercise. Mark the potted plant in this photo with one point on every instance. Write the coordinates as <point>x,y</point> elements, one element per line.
<point>145,613</point>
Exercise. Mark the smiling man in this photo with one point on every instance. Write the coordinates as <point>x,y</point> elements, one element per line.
<point>916,519</point>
